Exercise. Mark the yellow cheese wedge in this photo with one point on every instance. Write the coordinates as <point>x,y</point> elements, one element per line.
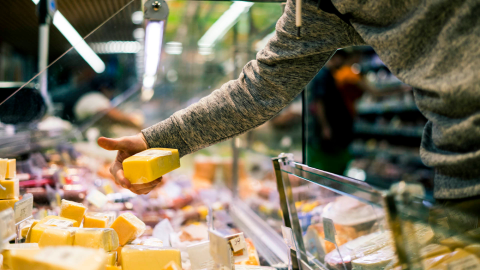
<point>95,220</point>
<point>147,258</point>
<point>59,258</point>
<point>72,210</point>
<point>433,250</point>
<point>3,168</point>
<point>9,247</point>
<point>128,228</point>
<point>11,189</point>
<point>48,221</point>
<point>5,204</point>
<point>150,164</point>
<point>29,233</point>
<point>172,266</point>
<point>11,169</point>
<point>57,236</point>
<point>112,258</point>
<point>474,249</point>
<point>104,238</point>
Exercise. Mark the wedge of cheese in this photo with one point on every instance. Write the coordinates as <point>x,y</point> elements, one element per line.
<point>59,258</point>
<point>5,204</point>
<point>103,238</point>
<point>112,258</point>
<point>57,236</point>
<point>72,210</point>
<point>11,169</point>
<point>95,220</point>
<point>128,228</point>
<point>150,164</point>
<point>146,258</point>
<point>47,222</point>
<point>9,247</point>
<point>11,190</point>
<point>433,250</point>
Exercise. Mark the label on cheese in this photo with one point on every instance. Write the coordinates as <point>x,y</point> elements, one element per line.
<point>59,223</point>
<point>238,243</point>
<point>467,263</point>
<point>153,153</point>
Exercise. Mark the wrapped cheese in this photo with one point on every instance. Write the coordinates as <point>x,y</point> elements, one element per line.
<point>103,238</point>
<point>128,228</point>
<point>150,164</point>
<point>146,258</point>
<point>72,210</point>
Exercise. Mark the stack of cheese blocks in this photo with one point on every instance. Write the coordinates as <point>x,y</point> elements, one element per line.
<point>8,180</point>
<point>77,240</point>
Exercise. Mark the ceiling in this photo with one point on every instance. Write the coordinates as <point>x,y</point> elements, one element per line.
<point>19,23</point>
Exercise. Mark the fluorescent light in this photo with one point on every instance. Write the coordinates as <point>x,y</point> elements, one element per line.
<point>78,43</point>
<point>262,43</point>
<point>222,25</point>
<point>116,47</point>
<point>173,47</point>
<point>137,17</point>
<point>153,46</point>
<point>36,1</point>
<point>148,81</point>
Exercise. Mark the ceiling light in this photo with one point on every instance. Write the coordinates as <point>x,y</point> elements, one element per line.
<point>173,48</point>
<point>114,47</point>
<point>153,46</point>
<point>137,17</point>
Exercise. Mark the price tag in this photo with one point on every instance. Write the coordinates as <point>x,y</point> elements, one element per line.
<point>238,243</point>
<point>220,250</point>
<point>7,225</point>
<point>468,263</point>
<point>23,208</point>
<point>97,198</point>
<point>329,230</point>
<point>288,237</point>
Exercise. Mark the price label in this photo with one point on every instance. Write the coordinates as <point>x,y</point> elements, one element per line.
<point>7,224</point>
<point>329,230</point>
<point>238,243</point>
<point>288,237</point>
<point>220,250</point>
<point>468,263</point>
<point>23,208</point>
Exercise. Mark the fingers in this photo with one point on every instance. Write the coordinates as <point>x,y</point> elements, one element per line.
<point>110,144</point>
<point>117,171</point>
<point>145,188</point>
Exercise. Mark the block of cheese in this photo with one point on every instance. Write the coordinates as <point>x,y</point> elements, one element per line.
<point>95,220</point>
<point>28,225</point>
<point>11,169</point>
<point>5,204</point>
<point>11,189</point>
<point>112,267</point>
<point>172,266</point>
<point>150,164</point>
<point>104,238</point>
<point>442,261</point>
<point>433,250</point>
<point>474,249</point>
<point>146,258</point>
<point>112,258</point>
<point>128,228</point>
<point>48,221</point>
<point>29,233</point>
<point>72,210</point>
<point>377,260</point>
<point>57,236</point>
<point>9,247</point>
<point>59,258</point>
<point>3,168</point>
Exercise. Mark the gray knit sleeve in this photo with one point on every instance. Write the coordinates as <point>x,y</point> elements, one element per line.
<point>265,86</point>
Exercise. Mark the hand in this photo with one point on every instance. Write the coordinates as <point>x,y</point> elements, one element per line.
<point>326,133</point>
<point>127,146</point>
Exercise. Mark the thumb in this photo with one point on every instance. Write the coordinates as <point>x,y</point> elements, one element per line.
<point>110,144</point>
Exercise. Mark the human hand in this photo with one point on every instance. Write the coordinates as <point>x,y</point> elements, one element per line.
<point>126,147</point>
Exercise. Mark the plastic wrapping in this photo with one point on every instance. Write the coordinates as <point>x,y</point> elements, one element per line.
<point>103,238</point>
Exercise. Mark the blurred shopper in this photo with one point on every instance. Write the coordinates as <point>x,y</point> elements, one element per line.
<point>430,45</point>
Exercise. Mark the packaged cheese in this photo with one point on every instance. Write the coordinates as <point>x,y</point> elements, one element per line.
<point>11,190</point>
<point>57,236</point>
<point>150,164</point>
<point>3,168</point>
<point>72,210</point>
<point>9,247</point>
<point>128,228</point>
<point>59,258</point>
<point>11,169</point>
<point>147,258</point>
<point>112,258</point>
<point>29,233</point>
<point>95,220</point>
<point>433,250</point>
<point>5,204</point>
<point>47,222</point>
<point>104,238</point>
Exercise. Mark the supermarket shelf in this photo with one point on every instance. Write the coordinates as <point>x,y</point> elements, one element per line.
<point>381,108</point>
<point>388,130</point>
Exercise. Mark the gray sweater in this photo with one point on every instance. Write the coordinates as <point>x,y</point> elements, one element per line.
<point>432,45</point>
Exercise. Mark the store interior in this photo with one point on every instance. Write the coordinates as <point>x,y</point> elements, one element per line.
<point>73,71</point>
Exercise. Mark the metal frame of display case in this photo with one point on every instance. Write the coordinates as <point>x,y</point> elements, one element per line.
<point>285,166</point>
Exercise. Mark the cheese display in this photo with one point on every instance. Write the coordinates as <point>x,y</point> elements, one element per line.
<point>95,220</point>
<point>150,164</point>
<point>11,169</point>
<point>433,250</point>
<point>146,258</point>
<point>112,258</point>
<point>57,236</point>
<point>72,210</point>
<point>5,204</point>
<point>9,247</point>
<point>59,258</point>
<point>104,238</point>
<point>47,222</point>
<point>128,228</point>
<point>11,190</point>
